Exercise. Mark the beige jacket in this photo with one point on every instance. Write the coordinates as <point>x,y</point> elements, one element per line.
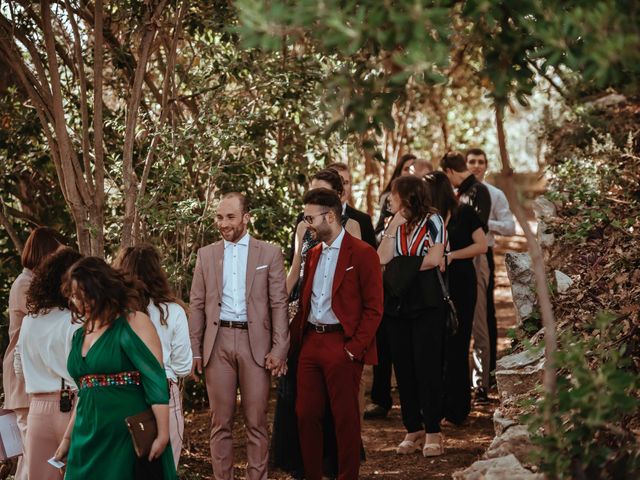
<point>266,296</point>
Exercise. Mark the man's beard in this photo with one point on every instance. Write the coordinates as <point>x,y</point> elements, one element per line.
<point>233,233</point>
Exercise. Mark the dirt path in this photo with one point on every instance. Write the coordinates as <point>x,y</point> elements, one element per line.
<point>464,444</point>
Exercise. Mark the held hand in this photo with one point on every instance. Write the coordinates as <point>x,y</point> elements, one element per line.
<point>62,449</point>
<point>274,364</point>
<point>442,265</point>
<point>157,447</point>
<point>196,369</point>
<point>280,371</point>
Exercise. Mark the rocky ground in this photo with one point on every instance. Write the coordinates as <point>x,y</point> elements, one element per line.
<point>465,444</point>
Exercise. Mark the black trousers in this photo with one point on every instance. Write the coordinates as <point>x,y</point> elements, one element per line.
<point>457,381</point>
<point>491,311</point>
<point>417,350</point>
<point>381,388</point>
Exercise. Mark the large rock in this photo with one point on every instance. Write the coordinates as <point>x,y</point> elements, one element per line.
<point>518,374</point>
<point>501,423</point>
<point>520,273</point>
<point>514,440</point>
<point>544,208</point>
<point>502,468</point>
<point>516,383</point>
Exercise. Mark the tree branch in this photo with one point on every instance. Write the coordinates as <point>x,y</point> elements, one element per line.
<point>84,109</point>
<point>9,228</point>
<point>98,130</point>
<point>130,183</point>
<point>537,260</point>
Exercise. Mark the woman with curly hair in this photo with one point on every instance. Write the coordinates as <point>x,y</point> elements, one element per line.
<point>415,238</point>
<point>41,242</point>
<point>168,315</point>
<point>41,357</point>
<point>116,361</point>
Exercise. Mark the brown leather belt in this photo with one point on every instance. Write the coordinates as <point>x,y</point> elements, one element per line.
<point>328,328</point>
<point>240,325</point>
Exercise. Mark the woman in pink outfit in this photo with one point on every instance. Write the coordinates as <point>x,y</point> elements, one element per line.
<point>41,242</point>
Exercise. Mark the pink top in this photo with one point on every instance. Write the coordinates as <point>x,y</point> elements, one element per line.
<point>14,391</point>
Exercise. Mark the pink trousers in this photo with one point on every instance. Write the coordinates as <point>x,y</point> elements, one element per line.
<point>176,422</point>
<point>47,425</point>
<point>23,460</point>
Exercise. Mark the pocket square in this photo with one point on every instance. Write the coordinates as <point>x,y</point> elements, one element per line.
<point>261,267</point>
<point>350,268</point>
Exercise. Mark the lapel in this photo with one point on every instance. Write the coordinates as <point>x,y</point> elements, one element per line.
<point>218,262</point>
<point>344,257</point>
<point>253,256</point>
<point>311,264</point>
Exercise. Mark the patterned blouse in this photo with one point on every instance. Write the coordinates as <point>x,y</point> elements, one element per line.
<point>430,231</point>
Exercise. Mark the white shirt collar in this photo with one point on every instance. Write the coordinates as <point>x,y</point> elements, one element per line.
<point>336,243</point>
<point>243,241</point>
<point>344,207</point>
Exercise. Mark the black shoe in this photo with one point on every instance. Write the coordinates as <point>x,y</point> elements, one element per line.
<point>481,397</point>
<point>373,411</point>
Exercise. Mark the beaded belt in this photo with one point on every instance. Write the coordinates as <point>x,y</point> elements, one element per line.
<point>109,380</point>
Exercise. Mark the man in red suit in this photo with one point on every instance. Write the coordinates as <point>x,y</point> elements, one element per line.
<point>334,333</point>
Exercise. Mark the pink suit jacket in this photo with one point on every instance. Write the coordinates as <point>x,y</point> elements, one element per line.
<point>266,295</point>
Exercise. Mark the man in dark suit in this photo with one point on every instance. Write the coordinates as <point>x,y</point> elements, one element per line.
<point>333,333</point>
<point>366,224</point>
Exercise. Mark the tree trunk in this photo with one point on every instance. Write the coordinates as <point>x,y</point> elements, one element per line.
<point>537,260</point>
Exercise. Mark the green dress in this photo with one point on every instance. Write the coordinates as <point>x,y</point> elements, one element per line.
<point>101,447</point>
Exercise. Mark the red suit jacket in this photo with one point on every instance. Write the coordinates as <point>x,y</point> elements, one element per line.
<point>356,297</point>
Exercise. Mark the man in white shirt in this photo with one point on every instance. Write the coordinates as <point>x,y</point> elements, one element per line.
<point>239,333</point>
<point>501,222</point>
<point>333,333</point>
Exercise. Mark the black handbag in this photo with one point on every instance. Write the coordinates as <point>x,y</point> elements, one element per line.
<point>409,292</point>
<point>451,316</point>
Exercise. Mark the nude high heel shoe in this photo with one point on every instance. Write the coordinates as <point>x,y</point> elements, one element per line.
<point>433,445</point>
<point>408,447</point>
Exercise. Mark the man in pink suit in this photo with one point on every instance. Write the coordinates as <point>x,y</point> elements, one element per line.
<point>239,333</point>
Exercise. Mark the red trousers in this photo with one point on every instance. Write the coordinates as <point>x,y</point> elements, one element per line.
<point>326,373</point>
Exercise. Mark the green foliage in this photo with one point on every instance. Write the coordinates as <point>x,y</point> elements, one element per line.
<point>597,394</point>
<point>391,42</point>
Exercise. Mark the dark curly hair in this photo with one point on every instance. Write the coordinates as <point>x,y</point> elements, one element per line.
<point>143,263</point>
<point>414,197</point>
<point>332,177</point>
<point>45,292</point>
<point>108,293</point>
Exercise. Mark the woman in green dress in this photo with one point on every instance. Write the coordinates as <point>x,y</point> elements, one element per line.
<point>116,361</point>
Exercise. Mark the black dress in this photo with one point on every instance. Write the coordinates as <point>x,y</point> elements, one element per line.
<point>463,290</point>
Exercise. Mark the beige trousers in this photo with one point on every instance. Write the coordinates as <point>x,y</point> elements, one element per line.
<point>47,425</point>
<point>176,422</point>
<point>232,365</point>
<point>22,470</point>
<point>480,330</point>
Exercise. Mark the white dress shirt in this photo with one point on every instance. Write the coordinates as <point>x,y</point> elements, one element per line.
<point>321,312</point>
<point>42,351</point>
<point>234,280</point>
<point>500,218</point>
<point>174,336</point>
